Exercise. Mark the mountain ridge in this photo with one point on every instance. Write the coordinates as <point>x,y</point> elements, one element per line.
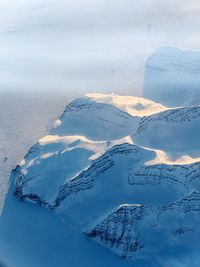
<point>90,176</point>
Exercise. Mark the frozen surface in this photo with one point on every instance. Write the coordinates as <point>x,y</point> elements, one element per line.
<point>121,182</point>
<point>176,131</point>
<point>172,77</point>
<point>69,46</point>
<point>74,47</point>
<point>32,236</point>
<point>24,118</point>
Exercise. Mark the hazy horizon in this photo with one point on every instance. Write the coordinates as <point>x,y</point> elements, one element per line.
<point>97,45</point>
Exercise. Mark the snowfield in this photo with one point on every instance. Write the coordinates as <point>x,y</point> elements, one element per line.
<point>107,171</point>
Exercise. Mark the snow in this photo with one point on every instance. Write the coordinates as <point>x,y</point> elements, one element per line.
<point>62,48</point>
<point>84,176</point>
<point>32,236</point>
<point>172,77</point>
<point>139,225</point>
<point>135,106</point>
<point>96,121</point>
<point>171,158</point>
<point>54,160</point>
<point>19,112</point>
<point>176,131</point>
<point>41,53</point>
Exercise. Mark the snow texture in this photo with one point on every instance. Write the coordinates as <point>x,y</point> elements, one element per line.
<point>107,169</point>
<point>172,77</point>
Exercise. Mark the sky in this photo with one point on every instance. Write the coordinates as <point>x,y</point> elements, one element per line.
<point>90,45</point>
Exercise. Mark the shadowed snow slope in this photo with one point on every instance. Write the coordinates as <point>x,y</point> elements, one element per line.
<point>54,160</point>
<point>36,238</point>
<point>172,77</point>
<point>119,176</point>
<point>134,228</point>
<point>175,131</point>
<point>97,121</point>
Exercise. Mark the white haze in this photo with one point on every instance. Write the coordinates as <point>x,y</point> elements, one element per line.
<point>90,45</point>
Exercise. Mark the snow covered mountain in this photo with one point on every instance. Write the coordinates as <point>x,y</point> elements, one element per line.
<point>176,131</point>
<point>172,77</point>
<point>131,230</point>
<point>91,119</point>
<point>109,167</point>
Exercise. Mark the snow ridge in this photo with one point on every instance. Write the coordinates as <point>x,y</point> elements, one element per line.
<point>86,179</point>
<point>99,156</point>
<point>172,77</point>
<point>166,58</point>
<point>120,231</point>
<point>178,115</point>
